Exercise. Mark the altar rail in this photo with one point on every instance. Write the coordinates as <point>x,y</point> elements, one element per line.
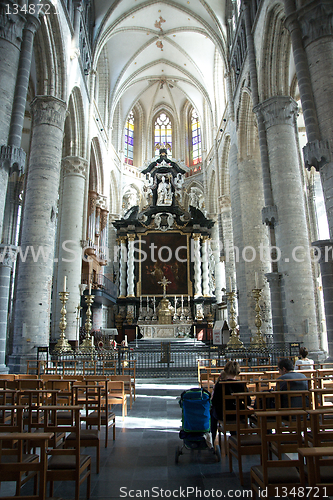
<point>157,359</point>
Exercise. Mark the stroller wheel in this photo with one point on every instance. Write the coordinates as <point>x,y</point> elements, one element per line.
<point>218,453</point>
<point>177,453</point>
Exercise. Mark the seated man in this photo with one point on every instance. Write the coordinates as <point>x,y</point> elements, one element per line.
<point>286,370</point>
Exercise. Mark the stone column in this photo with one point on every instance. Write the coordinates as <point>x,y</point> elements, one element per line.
<point>228,242</point>
<point>34,276</point>
<point>274,280</point>
<point>130,266</point>
<point>74,171</point>
<point>292,239</point>
<point>324,253</point>
<point>197,265</point>
<point>11,26</point>
<point>5,275</point>
<point>123,267</point>
<point>205,266</point>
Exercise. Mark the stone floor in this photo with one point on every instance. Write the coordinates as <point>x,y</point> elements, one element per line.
<point>140,463</point>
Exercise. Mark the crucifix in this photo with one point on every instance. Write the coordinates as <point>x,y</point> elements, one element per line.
<point>164,282</point>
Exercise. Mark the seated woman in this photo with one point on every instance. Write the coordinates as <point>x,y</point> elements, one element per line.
<point>230,372</point>
<point>304,363</point>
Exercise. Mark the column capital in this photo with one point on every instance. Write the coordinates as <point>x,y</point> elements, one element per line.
<point>196,236</point>
<point>316,20</point>
<point>317,154</point>
<point>273,277</point>
<point>48,110</point>
<point>11,25</point>
<point>269,215</point>
<point>74,165</point>
<point>278,110</point>
<point>12,159</point>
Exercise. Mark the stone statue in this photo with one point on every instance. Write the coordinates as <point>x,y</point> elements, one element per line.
<point>164,194</point>
<point>178,183</point>
<point>194,199</point>
<point>148,189</point>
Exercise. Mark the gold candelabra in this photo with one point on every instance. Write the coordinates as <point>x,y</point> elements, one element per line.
<point>63,344</point>
<point>234,341</point>
<point>87,345</point>
<point>258,341</point>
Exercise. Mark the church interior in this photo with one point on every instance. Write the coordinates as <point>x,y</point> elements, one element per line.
<point>165,179</point>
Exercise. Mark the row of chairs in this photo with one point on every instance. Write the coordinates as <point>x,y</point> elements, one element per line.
<point>58,460</point>
<point>265,431</point>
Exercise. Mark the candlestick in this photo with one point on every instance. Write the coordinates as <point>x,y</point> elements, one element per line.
<point>230,284</point>
<point>63,344</point>
<point>256,280</point>
<point>65,280</point>
<point>89,288</point>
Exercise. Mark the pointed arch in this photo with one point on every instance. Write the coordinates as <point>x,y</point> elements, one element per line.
<point>247,130</point>
<point>276,55</point>
<point>74,131</point>
<point>50,53</point>
<point>96,177</point>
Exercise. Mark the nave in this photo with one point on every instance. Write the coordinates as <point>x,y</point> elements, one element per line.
<point>142,458</point>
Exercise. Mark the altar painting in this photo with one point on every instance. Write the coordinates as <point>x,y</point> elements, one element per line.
<point>165,255</point>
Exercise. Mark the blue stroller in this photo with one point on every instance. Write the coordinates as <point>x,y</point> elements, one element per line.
<point>195,404</point>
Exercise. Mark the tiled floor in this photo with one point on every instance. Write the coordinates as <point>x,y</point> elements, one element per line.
<point>141,462</point>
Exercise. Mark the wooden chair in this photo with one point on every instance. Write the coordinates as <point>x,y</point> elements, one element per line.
<point>322,398</point>
<point>247,440</point>
<point>228,424</point>
<point>321,427</point>
<point>128,367</point>
<point>67,464</point>
<point>127,379</point>
<point>18,466</point>
<point>116,395</point>
<point>274,475</point>
<point>108,418</point>
<point>319,470</point>
<point>89,398</point>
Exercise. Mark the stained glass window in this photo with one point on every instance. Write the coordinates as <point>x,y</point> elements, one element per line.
<point>129,133</point>
<point>163,133</point>
<point>196,138</point>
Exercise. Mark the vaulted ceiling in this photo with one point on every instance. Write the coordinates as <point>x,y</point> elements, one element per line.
<point>162,53</point>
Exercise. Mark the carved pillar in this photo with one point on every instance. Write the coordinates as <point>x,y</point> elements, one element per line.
<point>70,226</point>
<point>216,246</point>
<point>197,265</point>
<point>205,266</point>
<point>123,267</point>
<point>34,276</point>
<point>130,266</point>
<point>292,239</point>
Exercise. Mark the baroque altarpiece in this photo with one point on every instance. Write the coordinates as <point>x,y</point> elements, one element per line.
<point>166,266</point>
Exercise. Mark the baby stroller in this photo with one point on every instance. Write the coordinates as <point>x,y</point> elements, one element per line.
<point>195,431</point>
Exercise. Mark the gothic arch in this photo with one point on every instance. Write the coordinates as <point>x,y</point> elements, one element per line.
<point>50,53</point>
<point>115,202</point>
<point>103,86</point>
<point>275,55</point>
<point>74,143</point>
<point>247,131</point>
<point>224,168</point>
<point>96,178</point>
